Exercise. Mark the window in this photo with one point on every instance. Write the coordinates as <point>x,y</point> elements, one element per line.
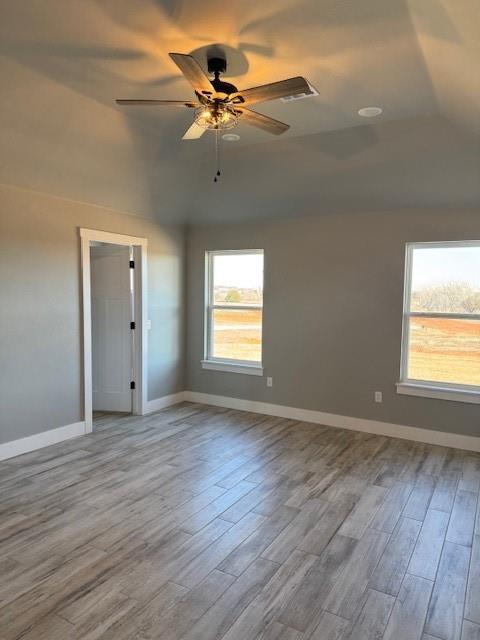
<point>234,304</point>
<point>441,324</point>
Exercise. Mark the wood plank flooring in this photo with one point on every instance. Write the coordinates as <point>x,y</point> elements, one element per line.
<point>200,523</point>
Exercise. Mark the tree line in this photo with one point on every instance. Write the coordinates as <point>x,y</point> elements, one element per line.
<point>452,297</point>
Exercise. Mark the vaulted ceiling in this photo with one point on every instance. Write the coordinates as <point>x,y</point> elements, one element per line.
<point>63,64</point>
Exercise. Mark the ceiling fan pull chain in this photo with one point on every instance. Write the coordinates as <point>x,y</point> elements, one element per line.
<point>217,156</point>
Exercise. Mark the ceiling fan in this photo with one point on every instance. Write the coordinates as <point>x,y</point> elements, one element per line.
<point>220,105</point>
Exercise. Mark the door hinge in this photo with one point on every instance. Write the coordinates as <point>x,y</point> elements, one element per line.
<point>132,325</point>
<point>132,385</point>
<point>132,264</point>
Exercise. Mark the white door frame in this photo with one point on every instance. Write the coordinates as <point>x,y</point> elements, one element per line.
<point>87,236</point>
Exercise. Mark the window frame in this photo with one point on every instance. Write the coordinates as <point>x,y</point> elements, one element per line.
<point>211,362</point>
<point>431,388</point>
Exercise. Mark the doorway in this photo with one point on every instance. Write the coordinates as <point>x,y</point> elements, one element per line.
<point>112,304</point>
<point>114,313</point>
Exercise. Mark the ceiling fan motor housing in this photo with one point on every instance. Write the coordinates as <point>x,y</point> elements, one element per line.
<point>223,87</point>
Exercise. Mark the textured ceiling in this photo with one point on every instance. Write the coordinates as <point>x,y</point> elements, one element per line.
<point>63,64</point>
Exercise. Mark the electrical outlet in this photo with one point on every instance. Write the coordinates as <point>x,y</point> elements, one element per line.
<point>148,325</point>
<point>378,396</point>
<point>269,381</point>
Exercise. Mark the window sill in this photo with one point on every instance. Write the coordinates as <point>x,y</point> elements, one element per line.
<point>440,393</point>
<point>229,367</point>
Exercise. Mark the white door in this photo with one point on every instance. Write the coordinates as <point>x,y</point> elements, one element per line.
<point>111,332</point>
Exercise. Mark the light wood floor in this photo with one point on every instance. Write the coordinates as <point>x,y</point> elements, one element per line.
<point>206,524</point>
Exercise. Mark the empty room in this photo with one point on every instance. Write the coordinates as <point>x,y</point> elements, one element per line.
<point>240,320</point>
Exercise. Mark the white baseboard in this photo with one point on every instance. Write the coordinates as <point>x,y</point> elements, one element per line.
<point>164,402</point>
<point>429,436</point>
<point>40,440</point>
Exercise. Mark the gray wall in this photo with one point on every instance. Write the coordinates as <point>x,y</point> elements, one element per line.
<point>40,314</point>
<point>332,317</point>
<point>332,314</point>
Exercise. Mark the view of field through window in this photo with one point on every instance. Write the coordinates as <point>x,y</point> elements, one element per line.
<point>236,319</point>
<point>445,280</point>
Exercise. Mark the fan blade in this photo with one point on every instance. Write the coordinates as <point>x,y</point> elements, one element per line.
<point>290,87</point>
<point>193,72</point>
<point>263,122</point>
<point>159,103</point>
<point>193,132</point>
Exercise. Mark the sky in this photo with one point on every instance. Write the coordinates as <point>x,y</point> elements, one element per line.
<point>438,266</point>
<point>431,266</point>
<point>242,271</point>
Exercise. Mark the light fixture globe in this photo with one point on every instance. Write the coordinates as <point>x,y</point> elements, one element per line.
<point>216,116</point>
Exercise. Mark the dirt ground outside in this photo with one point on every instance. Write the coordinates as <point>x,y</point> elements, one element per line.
<point>238,334</point>
<point>445,350</point>
<point>441,350</point>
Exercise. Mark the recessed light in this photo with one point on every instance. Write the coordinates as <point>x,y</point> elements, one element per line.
<point>370,112</point>
<point>231,137</point>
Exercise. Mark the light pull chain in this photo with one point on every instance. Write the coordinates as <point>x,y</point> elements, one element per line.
<point>217,156</point>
